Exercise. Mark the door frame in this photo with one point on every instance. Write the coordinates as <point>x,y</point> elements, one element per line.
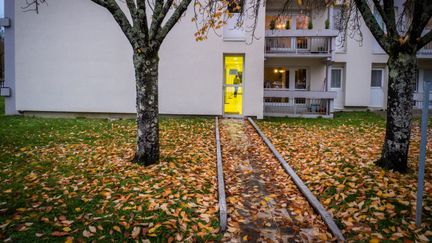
<point>243,55</point>
<point>342,87</point>
<point>381,87</point>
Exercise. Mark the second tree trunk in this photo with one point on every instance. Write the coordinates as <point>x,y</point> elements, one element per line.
<point>402,73</point>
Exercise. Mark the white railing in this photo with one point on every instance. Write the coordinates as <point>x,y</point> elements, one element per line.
<point>426,50</point>
<point>299,41</point>
<point>418,101</point>
<point>281,102</point>
<point>310,45</point>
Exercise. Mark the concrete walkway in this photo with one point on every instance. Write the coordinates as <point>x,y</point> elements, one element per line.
<point>263,203</point>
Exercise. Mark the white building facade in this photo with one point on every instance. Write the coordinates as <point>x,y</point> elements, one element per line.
<point>72,58</point>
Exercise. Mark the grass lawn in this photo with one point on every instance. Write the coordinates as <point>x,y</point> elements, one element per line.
<point>2,106</point>
<point>336,158</point>
<point>71,179</point>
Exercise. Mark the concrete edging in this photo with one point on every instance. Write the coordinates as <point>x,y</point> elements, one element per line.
<point>319,208</point>
<point>221,183</point>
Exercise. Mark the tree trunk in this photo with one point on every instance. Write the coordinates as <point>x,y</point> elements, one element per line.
<point>402,74</point>
<point>146,73</point>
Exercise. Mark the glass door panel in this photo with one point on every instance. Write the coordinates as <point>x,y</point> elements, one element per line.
<point>233,84</point>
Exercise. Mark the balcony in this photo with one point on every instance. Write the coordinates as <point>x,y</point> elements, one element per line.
<point>299,43</point>
<point>418,101</point>
<point>426,51</point>
<point>289,103</point>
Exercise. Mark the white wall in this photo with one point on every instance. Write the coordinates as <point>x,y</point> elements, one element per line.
<point>73,57</point>
<point>359,58</point>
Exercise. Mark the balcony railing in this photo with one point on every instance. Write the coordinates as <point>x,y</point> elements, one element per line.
<point>418,101</point>
<point>426,50</point>
<point>281,102</point>
<point>312,45</point>
<point>307,42</point>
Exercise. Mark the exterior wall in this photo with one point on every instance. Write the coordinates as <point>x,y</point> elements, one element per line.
<point>73,57</point>
<point>359,60</point>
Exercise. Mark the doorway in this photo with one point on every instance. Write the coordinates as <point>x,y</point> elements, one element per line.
<point>233,84</point>
<point>337,84</point>
<point>377,91</point>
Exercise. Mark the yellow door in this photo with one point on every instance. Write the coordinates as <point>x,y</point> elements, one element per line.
<point>233,84</point>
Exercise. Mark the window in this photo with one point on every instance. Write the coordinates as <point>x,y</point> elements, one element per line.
<point>300,101</point>
<point>377,78</point>
<point>276,78</point>
<point>302,21</point>
<point>300,78</point>
<point>336,78</point>
<point>302,43</point>
<point>379,18</point>
<point>278,22</point>
<point>338,18</point>
<point>339,13</point>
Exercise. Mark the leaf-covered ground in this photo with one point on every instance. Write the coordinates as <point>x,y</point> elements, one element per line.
<point>264,204</point>
<point>71,180</point>
<point>335,158</point>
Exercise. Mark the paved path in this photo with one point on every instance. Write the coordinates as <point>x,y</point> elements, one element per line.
<point>263,203</point>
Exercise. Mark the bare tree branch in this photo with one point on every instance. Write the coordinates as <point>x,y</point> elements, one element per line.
<point>178,12</point>
<point>33,5</point>
<point>155,25</point>
<point>142,15</point>
<point>389,21</point>
<point>120,18</point>
<point>389,10</point>
<point>422,13</point>
<point>424,40</point>
<point>372,24</point>
<point>159,17</point>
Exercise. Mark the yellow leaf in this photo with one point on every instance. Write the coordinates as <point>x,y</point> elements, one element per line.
<point>116,228</point>
<point>374,240</point>
<point>154,228</point>
<point>78,210</point>
<point>66,229</point>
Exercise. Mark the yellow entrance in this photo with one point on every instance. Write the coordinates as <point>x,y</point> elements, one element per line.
<point>233,86</point>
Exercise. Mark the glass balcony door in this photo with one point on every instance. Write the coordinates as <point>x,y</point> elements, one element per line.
<point>233,84</point>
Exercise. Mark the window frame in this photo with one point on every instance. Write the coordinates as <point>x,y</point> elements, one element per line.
<point>341,78</point>
<point>382,77</point>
